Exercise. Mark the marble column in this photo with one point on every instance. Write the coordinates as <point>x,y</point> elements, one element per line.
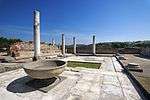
<point>53,42</point>
<point>36,35</point>
<point>74,45</point>
<point>63,45</point>
<point>94,46</point>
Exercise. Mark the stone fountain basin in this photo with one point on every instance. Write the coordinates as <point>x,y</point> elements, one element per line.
<point>44,69</point>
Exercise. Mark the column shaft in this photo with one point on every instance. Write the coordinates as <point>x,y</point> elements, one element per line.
<point>36,34</point>
<point>53,42</point>
<point>63,45</point>
<point>94,47</point>
<point>74,45</point>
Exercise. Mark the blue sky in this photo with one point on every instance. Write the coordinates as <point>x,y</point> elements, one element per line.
<point>109,20</point>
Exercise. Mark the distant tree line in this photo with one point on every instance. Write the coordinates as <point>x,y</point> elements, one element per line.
<point>5,42</point>
<point>125,44</point>
<point>110,47</point>
<point>105,47</point>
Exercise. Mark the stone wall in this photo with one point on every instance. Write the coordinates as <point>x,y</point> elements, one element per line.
<point>129,50</point>
<point>26,49</point>
<point>146,51</point>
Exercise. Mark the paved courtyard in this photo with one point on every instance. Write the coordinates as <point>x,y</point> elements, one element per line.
<point>106,83</point>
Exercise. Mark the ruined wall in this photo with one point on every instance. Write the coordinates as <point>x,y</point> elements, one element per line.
<point>26,49</point>
<point>129,50</point>
<point>145,51</point>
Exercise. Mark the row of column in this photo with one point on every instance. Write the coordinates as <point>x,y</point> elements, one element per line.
<point>74,45</point>
<point>36,27</point>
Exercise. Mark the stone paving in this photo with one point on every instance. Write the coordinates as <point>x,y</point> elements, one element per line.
<point>106,83</point>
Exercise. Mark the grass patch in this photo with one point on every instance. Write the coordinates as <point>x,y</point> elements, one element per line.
<point>83,64</point>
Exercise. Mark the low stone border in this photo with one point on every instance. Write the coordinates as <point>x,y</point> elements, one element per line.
<point>4,67</point>
<point>145,95</point>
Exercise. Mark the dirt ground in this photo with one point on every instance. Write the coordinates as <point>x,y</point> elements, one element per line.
<point>144,62</point>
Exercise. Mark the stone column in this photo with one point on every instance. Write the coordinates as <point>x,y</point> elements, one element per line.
<point>36,35</point>
<point>74,45</point>
<point>94,47</point>
<point>63,45</point>
<point>53,42</point>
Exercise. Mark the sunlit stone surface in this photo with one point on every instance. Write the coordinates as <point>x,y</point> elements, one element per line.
<point>107,83</point>
<point>36,35</point>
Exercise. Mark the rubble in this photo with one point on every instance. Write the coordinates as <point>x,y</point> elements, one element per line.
<point>25,49</point>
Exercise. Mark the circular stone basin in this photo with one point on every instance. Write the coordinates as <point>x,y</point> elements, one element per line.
<point>44,69</point>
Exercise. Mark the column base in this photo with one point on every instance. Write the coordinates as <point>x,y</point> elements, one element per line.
<point>75,53</point>
<point>35,58</point>
<point>94,54</point>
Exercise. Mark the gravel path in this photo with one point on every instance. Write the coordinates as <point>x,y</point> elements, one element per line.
<point>142,77</point>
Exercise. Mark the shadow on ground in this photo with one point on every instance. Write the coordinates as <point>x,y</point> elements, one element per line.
<point>27,84</point>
